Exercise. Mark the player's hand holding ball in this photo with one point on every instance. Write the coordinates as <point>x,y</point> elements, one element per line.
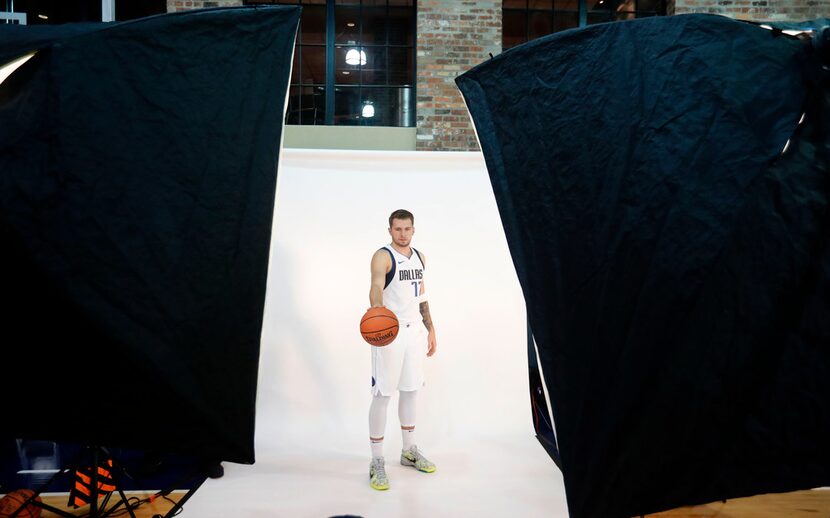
<point>379,326</point>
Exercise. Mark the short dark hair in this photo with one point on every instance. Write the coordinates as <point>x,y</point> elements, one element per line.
<point>401,214</point>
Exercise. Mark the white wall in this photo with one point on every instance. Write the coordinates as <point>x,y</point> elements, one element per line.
<point>331,215</point>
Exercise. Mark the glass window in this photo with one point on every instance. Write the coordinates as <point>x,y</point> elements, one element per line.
<point>547,5</point>
<point>373,21</point>
<point>55,12</point>
<point>514,27</point>
<point>361,72</point>
<point>347,24</point>
<point>401,25</point>
<point>313,24</point>
<point>312,65</point>
<point>646,6</point>
<point>564,20</point>
<point>306,105</point>
<point>130,10</point>
<point>525,20</point>
<point>599,17</point>
<point>368,106</point>
<point>540,23</point>
<point>347,109</point>
<point>374,71</point>
<point>401,66</point>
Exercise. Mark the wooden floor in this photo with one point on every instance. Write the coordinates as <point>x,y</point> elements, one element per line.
<point>159,506</point>
<point>812,504</point>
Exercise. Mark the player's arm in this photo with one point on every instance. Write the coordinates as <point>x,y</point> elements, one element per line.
<point>427,318</point>
<point>381,264</point>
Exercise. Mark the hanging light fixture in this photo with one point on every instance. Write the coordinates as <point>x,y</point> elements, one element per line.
<point>355,57</point>
<point>368,110</point>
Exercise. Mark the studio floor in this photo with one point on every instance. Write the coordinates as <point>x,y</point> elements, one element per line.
<point>481,478</point>
<point>484,477</point>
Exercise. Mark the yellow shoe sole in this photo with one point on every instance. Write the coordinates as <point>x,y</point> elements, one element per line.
<point>407,462</point>
<point>378,486</point>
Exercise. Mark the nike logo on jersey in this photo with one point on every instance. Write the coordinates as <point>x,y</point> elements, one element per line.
<point>399,262</point>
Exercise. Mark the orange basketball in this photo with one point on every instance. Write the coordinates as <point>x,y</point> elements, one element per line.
<point>379,326</point>
<point>14,500</point>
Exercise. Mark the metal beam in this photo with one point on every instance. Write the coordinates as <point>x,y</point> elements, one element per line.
<point>107,10</point>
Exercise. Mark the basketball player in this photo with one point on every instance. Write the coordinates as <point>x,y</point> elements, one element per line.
<point>398,284</point>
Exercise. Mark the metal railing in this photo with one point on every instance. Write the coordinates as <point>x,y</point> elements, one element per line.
<point>15,18</point>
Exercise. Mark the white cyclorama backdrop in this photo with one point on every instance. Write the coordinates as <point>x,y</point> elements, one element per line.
<point>474,418</point>
<point>330,217</point>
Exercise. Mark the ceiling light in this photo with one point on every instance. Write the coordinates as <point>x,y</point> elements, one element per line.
<point>43,17</point>
<point>355,57</point>
<point>368,111</point>
<point>350,24</point>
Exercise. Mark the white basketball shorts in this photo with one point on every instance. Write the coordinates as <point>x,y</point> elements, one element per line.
<point>400,365</point>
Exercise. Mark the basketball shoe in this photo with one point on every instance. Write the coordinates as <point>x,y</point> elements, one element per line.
<point>412,457</point>
<point>377,474</point>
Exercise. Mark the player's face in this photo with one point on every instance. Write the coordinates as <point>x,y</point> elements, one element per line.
<point>401,231</point>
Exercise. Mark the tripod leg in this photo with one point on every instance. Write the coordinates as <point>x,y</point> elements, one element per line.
<point>178,505</point>
<point>93,497</point>
<point>115,468</point>
<point>126,502</point>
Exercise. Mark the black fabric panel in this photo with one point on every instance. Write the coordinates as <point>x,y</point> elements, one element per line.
<point>674,262</point>
<point>19,40</point>
<point>139,168</point>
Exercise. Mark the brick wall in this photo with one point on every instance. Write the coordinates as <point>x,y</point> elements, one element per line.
<point>453,36</point>
<point>757,10</point>
<point>184,5</point>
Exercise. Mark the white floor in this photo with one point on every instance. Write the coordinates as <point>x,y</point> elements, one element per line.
<point>497,477</point>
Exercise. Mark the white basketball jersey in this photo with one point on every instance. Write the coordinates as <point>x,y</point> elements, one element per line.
<point>404,286</point>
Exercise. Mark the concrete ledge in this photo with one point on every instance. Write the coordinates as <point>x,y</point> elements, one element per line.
<point>349,137</point>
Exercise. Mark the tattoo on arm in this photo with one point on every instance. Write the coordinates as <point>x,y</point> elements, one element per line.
<point>424,307</point>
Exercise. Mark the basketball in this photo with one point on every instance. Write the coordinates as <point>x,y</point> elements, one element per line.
<point>14,500</point>
<point>379,326</point>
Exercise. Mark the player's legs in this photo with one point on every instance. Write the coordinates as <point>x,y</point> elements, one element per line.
<point>406,412</point>
<point>412,378</point>
<point>386,371</point>
<point>377,423</point>
<point>377,427</point>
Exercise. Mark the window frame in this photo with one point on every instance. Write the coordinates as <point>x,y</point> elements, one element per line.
<point>582,12</point>
<point>331,46</point>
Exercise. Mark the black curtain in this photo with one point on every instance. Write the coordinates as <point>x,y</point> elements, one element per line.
<point>668,218</point>
<point>138,166</point>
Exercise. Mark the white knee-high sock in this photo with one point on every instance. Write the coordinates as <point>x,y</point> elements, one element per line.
<point>406,413</point>
<point>377,423</point>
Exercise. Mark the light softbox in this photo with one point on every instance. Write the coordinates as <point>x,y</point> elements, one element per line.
<point>138,166</point>
<point>667,214</point>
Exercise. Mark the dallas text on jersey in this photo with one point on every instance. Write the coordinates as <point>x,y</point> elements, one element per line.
<point>408,275</point>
